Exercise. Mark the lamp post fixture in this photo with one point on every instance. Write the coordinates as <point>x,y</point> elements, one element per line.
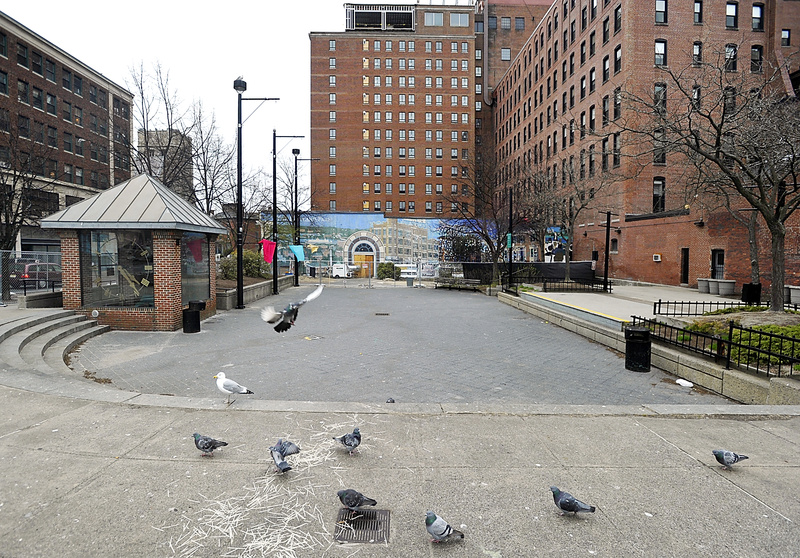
<point>296,212</point>
<point>240,86</point>
<point>275,137</point>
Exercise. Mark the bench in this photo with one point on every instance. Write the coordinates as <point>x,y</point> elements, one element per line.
<point>456,282</point>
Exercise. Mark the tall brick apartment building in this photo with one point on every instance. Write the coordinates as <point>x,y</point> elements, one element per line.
<point>400,98</point>
<point>61,119</point>
<point>557,105</point>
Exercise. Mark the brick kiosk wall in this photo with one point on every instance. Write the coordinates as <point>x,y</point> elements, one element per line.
<point>168,312</point>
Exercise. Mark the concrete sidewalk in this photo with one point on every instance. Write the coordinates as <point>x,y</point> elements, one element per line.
<point>91,475</point>
<point>101,479</point>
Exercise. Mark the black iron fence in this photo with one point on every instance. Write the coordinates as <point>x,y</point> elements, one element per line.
<point>751,349</point>
<point>586,285</point>
<point>698,308</point>
<point>21,272</point>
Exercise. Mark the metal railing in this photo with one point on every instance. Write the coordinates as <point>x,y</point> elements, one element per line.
<point>750,349</point>
<point>581,285</point>
<point>522,275</point>
<point>24,271</point>
<point>698,308</point>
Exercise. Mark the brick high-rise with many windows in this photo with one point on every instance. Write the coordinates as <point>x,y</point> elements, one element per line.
<point>558,107</point>
<point>399,98</point>
<point>61,119</point>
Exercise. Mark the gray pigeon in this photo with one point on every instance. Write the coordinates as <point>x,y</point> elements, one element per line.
<point>286,317</point>
<point>207,444</point>
<point>353,500</point>
<point>350,441</point>
<point>566,502</point>
<point>279,452</point>
<point>226,385</point>
<point>439,529</point>
<point>728,458</point>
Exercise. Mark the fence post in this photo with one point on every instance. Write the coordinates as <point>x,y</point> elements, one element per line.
<point>730,345</point>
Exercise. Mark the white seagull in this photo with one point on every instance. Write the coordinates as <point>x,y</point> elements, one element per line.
<point>228,386</point>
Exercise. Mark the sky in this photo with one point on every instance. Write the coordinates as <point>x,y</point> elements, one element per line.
<point>205,45</point>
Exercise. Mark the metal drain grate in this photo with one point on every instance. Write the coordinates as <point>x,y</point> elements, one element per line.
<point>364,526</point>
<point>381,313</point>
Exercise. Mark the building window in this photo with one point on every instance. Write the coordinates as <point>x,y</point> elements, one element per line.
<point>732,15</point>
<point>4,83</point>
<point>698,11</point>
<point>459,20</point>
<point>730,57</point>
<point>697,94</point>
<point>659,146</point>
<point>786,36</point>
<point>659,198</point>
<point>660,52</point>
<point>3,45</point>
<point>332,45</point>
<point>697,53</point>
<point>519,23</point>
<point>660,99</point>
<point>606,69</point>
<point>22,55</point>
<point>756,59</point>
<point>618,59</point>
<point>661,11</point>
<point>505,23</point>
<point>332,98</point>
<point>331,170</point>
<point>23,92</point>
<point>617,19</point>
<point>434,19</point>
<point>505,54</point>
<point>758,17</point>
<point>331,187</point>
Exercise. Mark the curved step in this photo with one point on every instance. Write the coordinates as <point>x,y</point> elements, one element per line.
<point>33,351</point>
<point>23,332</point>
<point>55,355</point>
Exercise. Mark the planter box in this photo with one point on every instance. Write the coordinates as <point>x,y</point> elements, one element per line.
<point>702,285</point>
<point>726,286</point>
<point>713,286</point>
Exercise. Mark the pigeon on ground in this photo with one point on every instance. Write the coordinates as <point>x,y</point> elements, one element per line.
<point>207,444</point>
<point>566,502</point>
<point>280,451</point>
<point>728,458</point>
<point>353,500</point>
<point>286,317</point>
<point>350,441</point>
<point>439,529</point>
<point>228,386</point>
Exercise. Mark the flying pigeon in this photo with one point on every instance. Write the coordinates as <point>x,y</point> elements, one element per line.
<point>228,386</point>
<point>279,452</point>
<point>353,500</point>
<point>439,529</point>
<point>350,441</point>
<point>207,444</point>
<point>286,317</point>
<point>566,502</point>
<point>728,458</point>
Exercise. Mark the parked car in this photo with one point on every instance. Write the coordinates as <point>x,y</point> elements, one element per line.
<point>39,275</point>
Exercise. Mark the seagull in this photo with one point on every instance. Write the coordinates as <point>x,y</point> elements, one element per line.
<point>353,499</point>
<point>440,529</point>
<point>350,441</point>
<point>566,502</point>
<point>728,458</point>
<point>286,317</point>
<point>228,386</point>
<point>206,444</point>
<point>279,452</point>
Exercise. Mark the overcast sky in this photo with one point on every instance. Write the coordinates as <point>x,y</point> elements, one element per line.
<point>205,45</point>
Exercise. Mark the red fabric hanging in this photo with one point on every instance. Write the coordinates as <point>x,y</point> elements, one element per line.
<point>268,249</point>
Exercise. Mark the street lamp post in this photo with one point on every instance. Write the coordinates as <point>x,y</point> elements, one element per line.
<point>296,211</point>
<point>240,86</point>
<point>275,137</point>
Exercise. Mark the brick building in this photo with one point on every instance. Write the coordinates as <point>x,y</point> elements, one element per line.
<point>556,121</point>
<point>397,101</point>
<point>61,119</point>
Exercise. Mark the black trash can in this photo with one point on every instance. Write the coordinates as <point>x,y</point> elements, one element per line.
<point>312,271</point>
<point>191,316</point>
<point>751,293</point>
<point>637,349</point>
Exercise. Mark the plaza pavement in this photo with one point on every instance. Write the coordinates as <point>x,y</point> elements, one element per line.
<point>113,472</point>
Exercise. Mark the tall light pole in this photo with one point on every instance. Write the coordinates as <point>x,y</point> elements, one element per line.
<point>240,86</point>
<point>275,137</point>
<point>296,211</point>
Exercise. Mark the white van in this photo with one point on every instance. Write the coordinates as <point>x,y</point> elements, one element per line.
<point>341,270</point>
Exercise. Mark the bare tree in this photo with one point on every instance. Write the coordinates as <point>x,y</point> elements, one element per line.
<point>163,147</point>
<point>740,132</point>
<point>214,162</point>
<point>28,171</point>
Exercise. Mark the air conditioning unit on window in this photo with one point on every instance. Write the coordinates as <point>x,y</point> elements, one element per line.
<point>656,257</point>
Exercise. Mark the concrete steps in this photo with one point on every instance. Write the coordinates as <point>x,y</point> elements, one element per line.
<point>40,342</point>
